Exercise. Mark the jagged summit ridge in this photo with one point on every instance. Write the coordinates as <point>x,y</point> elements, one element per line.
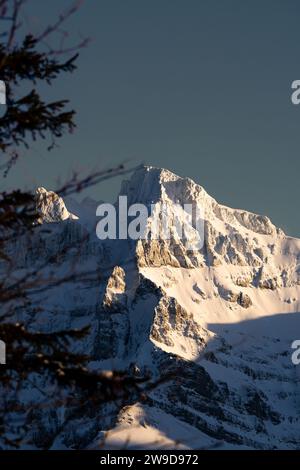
<point>231,236</point>
<point>150,185</point>
<point>51,207</point>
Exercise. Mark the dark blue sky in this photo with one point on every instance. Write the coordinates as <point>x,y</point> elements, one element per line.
<point>201,87</point>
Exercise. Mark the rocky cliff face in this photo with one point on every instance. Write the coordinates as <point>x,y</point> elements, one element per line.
<point>220,320</point>
<point>51,207</point>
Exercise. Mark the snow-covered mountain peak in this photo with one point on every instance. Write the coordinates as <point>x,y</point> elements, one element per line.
<point>51,207</point>
<point>231,236</point>
<point>149,185</point>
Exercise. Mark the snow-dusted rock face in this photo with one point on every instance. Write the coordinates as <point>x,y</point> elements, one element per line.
<point>115,297</point>
<point>220,321</point>
<point>51,207</point>
<point>231,236</point>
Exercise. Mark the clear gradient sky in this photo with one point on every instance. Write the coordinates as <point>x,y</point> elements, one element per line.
<point>201,87</point>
